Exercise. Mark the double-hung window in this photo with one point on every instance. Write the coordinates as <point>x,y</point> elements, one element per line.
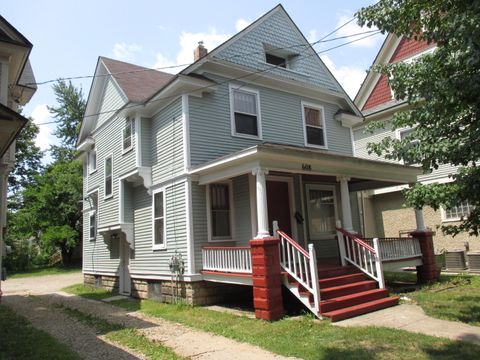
<point>220,211</point>
<point>314,125</point>
<point>108,179</point>
<point>128,134</point>
<point>245,112</point>
<point>92,225</point>
<point>402,135</point>
<point>159,220</point>
<point>92,161</point>
<point>457,213</point>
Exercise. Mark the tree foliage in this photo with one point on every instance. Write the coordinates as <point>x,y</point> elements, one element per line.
<point>68,115</point>
<point>442,89</point>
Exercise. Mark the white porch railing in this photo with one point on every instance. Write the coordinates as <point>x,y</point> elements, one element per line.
<point>227,259</point>
<point>362,255</point>
<point>392,249</point>
<point>300,265</point>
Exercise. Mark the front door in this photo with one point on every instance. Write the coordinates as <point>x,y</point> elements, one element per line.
<point>322,215</point>
<point>278,199</point>
<point>124,270</point>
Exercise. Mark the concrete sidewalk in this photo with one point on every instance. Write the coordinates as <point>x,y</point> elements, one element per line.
<point>412,318</point>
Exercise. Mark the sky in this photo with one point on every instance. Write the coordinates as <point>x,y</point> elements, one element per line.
<point>68,37</point>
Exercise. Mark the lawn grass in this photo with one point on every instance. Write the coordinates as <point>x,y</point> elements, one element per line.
<point>19,340</point>
<point>55,270</point>
<point>130,338</point>
<point>89,292</point>
<point>309,339</point>
<point>454,297</point>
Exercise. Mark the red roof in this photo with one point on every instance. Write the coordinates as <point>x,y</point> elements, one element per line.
<point>137,82</point>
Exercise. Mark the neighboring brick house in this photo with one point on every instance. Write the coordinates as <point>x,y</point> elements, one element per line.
<point>16,89</point>
<point>383,210</point>
<point>187,177</point>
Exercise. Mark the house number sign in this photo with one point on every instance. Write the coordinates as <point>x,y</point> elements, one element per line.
<point>307,167</point>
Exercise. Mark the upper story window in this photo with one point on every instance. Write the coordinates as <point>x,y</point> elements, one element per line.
<point>108,177</point>
<point>92,225</point>
<point>279,61</point>
<point>457,213</point>
<point>159,232</point>
<point>92,199</point>
<point>404,134</point>
<point>92,161</point>
<point>314,125</point>
<point>127,134</point>
<point>220,211</point>
<point>245,112</point>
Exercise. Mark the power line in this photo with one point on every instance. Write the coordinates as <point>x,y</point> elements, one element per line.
<point>223,82</point>
<point>322,40</point>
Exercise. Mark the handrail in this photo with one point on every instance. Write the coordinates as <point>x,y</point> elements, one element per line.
<point>356,239</point>
<point>300,265</point>
<point>360,254</point>
<point>293,243</point>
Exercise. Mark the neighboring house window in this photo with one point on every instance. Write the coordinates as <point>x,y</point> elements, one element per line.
<point>403,134</point>
<point>127,134</point>
<point>245,113</point>
<point>457,213</point>
<point>93,225</point>
<point>158,220</point>
<point>314,125</point>
<point>92,161</point>
<point>276,60</point>
<point>108,177</point>
<point>220,211</point>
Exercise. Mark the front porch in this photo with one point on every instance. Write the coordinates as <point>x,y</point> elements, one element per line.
<point>305,193</point>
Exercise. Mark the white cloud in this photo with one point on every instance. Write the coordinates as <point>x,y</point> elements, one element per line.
<point>45,138</point>
<point>241,24</point>
<point>312,36</point>
<point>351,29</point>
<point>125,52</point>
<point>188,42</point>
<point>349,77</point>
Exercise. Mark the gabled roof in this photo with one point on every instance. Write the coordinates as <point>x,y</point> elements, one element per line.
<point>137,82</point>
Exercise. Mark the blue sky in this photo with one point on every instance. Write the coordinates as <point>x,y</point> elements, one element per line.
<point>68,36</point>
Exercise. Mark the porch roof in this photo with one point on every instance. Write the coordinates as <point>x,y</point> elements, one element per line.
<point>364,173</point>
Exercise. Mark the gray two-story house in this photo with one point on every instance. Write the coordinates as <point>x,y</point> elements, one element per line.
<point>181,172</point>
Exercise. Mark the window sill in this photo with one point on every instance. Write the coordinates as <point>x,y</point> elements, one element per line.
<point>451,220</point>
<point>245,136</point>
<point>107,197</point>
<point>92,172</point>
<point>288,70</point>
<point>221,240</point>
<point>316,146</point>
<point>127,150</point>
<point>159,247</point>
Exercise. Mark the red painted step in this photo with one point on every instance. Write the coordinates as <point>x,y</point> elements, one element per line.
<point>352,299</point>
<point>341,280</point>
<point>349,312</point>
<point>347,289</point>
<point>336,271</point>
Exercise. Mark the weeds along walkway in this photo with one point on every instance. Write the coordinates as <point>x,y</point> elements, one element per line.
<point>45,312</point>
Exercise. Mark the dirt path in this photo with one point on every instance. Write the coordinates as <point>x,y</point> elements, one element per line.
<point>42,310</point>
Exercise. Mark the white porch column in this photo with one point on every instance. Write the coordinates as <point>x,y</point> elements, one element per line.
<point>419,220</point>
<point>345,198</point>
<point>262,209</point>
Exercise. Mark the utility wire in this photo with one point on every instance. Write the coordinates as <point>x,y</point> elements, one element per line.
<point>270,68</point>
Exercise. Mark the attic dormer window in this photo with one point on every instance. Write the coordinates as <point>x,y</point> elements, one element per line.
<point>276,60</point>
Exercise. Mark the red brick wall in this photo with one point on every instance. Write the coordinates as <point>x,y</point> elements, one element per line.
<point>381,92</point>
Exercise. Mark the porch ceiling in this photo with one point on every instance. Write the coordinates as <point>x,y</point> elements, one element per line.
<point>364,174</point>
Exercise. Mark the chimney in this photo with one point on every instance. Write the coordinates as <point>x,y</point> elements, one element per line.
<point>199,51</point>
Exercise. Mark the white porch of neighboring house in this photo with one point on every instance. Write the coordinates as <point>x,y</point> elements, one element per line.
<point>307,193</point>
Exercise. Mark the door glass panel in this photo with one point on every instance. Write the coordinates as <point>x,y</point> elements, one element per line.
<point>321,209</point>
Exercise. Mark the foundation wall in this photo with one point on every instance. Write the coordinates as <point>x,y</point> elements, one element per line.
<point>193,293</point>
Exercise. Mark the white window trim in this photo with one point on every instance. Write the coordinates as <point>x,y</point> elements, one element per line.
<point>94,210</point>
<point>443,212</point>
<point>398,136</point>
<point>232,88</point>
<point>130,120</point>
<point>322,110</point>
<point>232,214</point>
<point>105,196</point>
<point>164,245</point>
<point>90,170</point>
<point>92,213</point>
